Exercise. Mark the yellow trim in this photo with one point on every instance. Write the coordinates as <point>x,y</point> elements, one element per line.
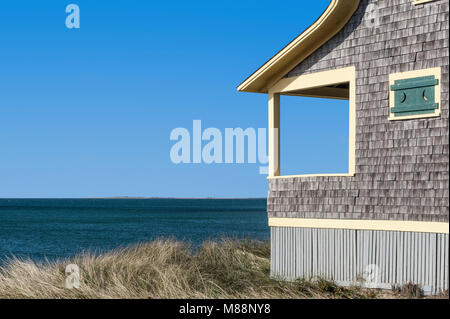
<point>310,81</point>
<point>274,134</point>
<point>314,80</point>
<point>386,225</point>
<point>422,1</point>
<point>323,92</point>
<point>413,74</point>
<point>328,25</point>
<point>311,175</point>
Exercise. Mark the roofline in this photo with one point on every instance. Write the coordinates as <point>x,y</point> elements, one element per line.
<point>334,18</point>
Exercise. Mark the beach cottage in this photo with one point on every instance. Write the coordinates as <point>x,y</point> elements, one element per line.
<point>384,222</point>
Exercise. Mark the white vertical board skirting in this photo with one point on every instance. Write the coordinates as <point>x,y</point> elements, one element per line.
<point>378,259</point>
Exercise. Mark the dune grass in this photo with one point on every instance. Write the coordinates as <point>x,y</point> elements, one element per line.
<point>168,269</point>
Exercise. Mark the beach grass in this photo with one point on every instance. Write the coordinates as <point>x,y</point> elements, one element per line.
<point>171,269</point>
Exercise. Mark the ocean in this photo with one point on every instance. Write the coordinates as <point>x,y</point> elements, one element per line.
<point>51,229</point>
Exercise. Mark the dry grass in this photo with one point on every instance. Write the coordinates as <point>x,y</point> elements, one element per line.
<point>168,269</point>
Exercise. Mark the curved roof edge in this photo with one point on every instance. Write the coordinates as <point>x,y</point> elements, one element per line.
<point>335,17</point>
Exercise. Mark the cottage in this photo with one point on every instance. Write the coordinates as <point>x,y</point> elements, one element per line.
<point>384,222</point>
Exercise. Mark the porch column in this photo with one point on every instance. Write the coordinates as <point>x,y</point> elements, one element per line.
<point>274,134</point>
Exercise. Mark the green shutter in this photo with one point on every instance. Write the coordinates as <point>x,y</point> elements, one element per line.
<point>414,96</point>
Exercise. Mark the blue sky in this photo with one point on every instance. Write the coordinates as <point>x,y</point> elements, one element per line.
<point>88,112</point>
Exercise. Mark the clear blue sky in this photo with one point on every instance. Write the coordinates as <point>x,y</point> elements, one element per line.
<point>88,112</point>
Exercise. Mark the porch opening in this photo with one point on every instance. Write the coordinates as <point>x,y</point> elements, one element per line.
<point>314,131</point>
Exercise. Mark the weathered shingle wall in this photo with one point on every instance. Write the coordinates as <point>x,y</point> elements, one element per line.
<point>402,167</point>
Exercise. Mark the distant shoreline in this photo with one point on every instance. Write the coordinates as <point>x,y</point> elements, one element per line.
<point>133,197</point>
<point>137,197</point>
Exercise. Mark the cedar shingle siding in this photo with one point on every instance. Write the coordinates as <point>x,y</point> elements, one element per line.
<point>402,167</point>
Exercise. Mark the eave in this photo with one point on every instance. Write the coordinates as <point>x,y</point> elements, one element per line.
<point>335,17</point>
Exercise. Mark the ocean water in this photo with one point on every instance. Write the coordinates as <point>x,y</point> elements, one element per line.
<point>58,228</point>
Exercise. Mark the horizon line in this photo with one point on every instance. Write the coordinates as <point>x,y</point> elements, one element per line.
<point>133,197</point>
